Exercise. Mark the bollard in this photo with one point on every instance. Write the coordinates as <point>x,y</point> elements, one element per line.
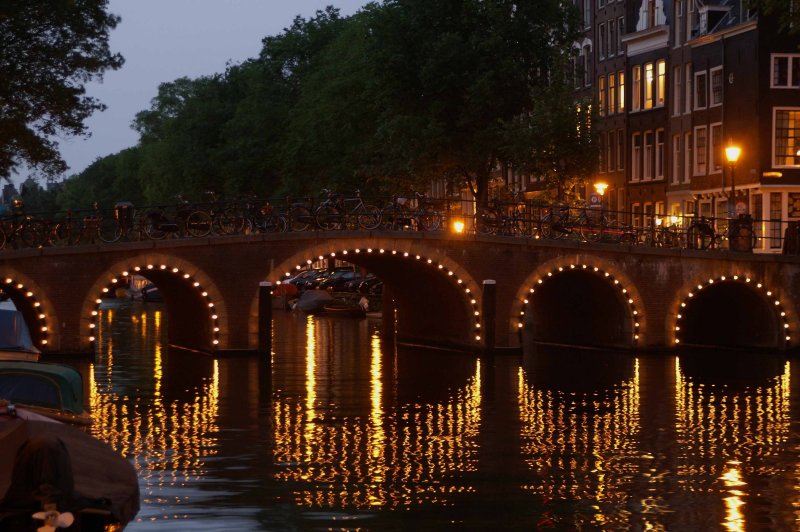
<point>265,317</point>
<point>488,311</point>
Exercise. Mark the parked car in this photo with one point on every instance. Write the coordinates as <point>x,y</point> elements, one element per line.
<point>302,279</point>
<point>353,284</point>
<point>368,284</point>
<point>313,284</point>
<point>337,281</point>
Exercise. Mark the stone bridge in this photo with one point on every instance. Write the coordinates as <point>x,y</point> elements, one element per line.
<point>554,291</point>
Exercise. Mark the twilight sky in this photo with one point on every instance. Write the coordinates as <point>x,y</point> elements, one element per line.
<point>162,40</point>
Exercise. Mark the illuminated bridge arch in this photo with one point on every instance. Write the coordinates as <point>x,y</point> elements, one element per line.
<point>36,308</point>
<point>197,313</point>
<point>435,297</point>
<point>737,310</point>
<point>580,300</point>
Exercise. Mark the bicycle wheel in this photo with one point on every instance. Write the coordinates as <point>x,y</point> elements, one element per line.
<point>429,220</point>
<point>590,230</point>
<point>486,222</point>
<point>300,219</point>
<point>153,230</point>
<point>198,224</point>
<point>327,218</point>
<point>699,236</point>
<point>33,233</point>
<point>546,227</point>
<point>64,234</point>
<point>230,222</point>
<point>369,217</point>
<point>108,230</point>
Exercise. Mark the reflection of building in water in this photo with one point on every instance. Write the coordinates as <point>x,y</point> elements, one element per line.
<point>377,455</point>
<point>580,445</point>
<point>729,435</point>
<point>165,434</point>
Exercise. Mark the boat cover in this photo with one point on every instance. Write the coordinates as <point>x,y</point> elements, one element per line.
<point>14,334</point>
<point>42,384</point>
<point>313,300</point>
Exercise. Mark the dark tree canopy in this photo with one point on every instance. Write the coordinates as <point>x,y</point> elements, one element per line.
<point>48,52</point>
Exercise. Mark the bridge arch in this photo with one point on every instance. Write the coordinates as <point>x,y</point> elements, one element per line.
<point>37,309</point>
<point>730,311</point>
<point>198,316</point>
<point>585,281</point>
<point>435,297</point>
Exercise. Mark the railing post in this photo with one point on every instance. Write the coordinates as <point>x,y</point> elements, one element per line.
<point>489,311</point>
<point>265,317</point>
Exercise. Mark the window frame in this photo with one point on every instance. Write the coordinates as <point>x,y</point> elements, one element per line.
<point>636,148</point>
<point>711,73</point>
<point>636,88</point>
<point>789,78</point>
<point>698,90</point>
<point>715,152</point>
<point>700,163</point>
<point>774,159</point>
<point>647,155</point>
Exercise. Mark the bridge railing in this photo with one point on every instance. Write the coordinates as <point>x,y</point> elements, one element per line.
<point>411,212</point>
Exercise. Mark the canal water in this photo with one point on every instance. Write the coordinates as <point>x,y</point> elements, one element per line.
<point>342,431</point>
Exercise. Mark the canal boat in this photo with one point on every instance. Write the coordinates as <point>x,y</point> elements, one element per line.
<point>52,390</point>
<point>15,338</point>
<point>55,475</point>
<point>344,309</point>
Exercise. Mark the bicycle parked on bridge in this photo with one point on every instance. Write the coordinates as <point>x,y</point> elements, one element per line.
<point>559,222</point>
<point>340,212</point>
<point>504,218</point>
<point>416,213</point>
<point>262,217</point>
<point>91,227</point>
<point>22,230</point>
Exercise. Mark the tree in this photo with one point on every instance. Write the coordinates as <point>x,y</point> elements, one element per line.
<point>48,52</point>
<point>784,11</point>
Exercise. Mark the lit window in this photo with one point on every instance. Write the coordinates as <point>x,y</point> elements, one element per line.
<point>787,137</point>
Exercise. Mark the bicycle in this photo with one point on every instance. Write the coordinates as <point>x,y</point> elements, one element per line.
<point>262,217</point>
<point>157,223</point>
<point>504,219</point>
<point>334,212</point>
<point>558,223</point>
<point>24,228</point>
<point>415,213</point>
<point>225,219</point>
<point>298,214</point>
<point>700,234</point>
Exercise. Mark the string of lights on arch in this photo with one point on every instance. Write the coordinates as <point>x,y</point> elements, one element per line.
<point>468,292</point>
<point>627,296</point>
<point>37,305</point>
<point>737,279</point>
<point>114,282</point>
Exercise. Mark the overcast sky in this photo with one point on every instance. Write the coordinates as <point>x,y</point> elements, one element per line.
<point>163,40</point>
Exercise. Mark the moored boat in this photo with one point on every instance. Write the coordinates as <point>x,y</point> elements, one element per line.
<point>52,390</point>
<point>15,338</point>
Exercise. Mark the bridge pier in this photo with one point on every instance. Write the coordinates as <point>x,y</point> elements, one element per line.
<point>264,318</point>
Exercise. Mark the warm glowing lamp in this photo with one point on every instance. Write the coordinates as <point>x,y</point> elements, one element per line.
<point>732,153</point>
<point>458,226</point>
<point>601,187</point>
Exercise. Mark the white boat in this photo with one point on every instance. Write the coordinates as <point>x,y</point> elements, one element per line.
<point>15,338</point>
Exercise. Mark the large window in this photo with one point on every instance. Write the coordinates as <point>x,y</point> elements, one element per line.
<point>659,154</point>
<point>612,93</point>
<point>716,86</point>
<point>649,86</point>
<point>687,100</point>
<point>688,158</point>
<point>611,150</point>
<point>636,92</point>
<point>785,71</point>
<point>700,150</point>
<point>648,155</point>
<point>587,53</point>
<point>661,72</point>
<point>621,91</point>
<point>679,25</point>
<point>612,37</point>
<point>787,137</point>
<point>620,149</point>
<point>700,90</point>
<point>601,95</point>
<point>601,41</point>
<point>587,14</point>
<point>717,154</point>
<point>620,33</point>
<point>636,156</point>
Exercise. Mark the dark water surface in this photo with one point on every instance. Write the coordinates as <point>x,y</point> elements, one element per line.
<point>344,432</point>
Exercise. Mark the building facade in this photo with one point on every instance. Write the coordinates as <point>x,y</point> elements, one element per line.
<point>675,83</point>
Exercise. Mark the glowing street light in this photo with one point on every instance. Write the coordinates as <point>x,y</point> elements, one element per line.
<point>732,153</point>
<point>458,227</point>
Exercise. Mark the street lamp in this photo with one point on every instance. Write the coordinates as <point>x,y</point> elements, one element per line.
<point>732,153</point>
<point>600,187</point>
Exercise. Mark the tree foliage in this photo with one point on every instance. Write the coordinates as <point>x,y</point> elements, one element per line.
<point>48,52</point>
<point>402,93</point>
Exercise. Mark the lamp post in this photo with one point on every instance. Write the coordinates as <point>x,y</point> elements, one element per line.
<point>732,153</point>
<point>600,187</point>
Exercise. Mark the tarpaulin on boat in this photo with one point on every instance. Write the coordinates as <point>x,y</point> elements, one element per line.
<point>14,334</point>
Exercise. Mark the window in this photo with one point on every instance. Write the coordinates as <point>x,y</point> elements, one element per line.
<point>659,154</point>
<point>648,86</point>
<point>785,71</point>
<point>690,19</point>
<point>612,94</point>
<point>688,158</point>
<point>636,93</point>
<point>700,150</point>
<point>648,155</point>
<point>601,95</point>
<point>676,91</point>
<point>602,154</point>
<point>661,71</point>
<point>757,208</point>
<point>679,24</point>
<point>651,13</point>
<point>587,52</point>
<point>636,156</point>
<point>716,86</point>
<point>620,33</point>
<point>620,149</point>
<point>587,14</point>
<point>611,150</point>
<point>700,89</point>
<point>601,41</point>
<point>621,89</point>
<point>612,37</point>
<point>687,100</point>
<point>676,159</point>
<point>601,3</point>
<point>775,213</point>
<point>786,145</point>
<point>717,154</point>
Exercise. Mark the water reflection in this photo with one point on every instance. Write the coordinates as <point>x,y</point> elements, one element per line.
<point>338,427</point>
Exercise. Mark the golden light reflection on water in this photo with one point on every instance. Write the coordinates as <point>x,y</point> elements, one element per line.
<point>579,444</point>
<point>388,457</point>
<point>168,438</point>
